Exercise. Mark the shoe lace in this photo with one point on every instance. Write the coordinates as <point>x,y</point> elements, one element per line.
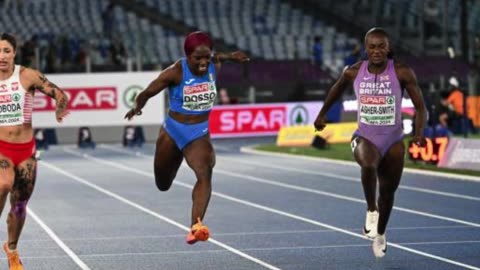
<point>197,225</point>
<point>13,258</point>
<point>375,217</point>
<point>380,241</point>
<point>372,218</point>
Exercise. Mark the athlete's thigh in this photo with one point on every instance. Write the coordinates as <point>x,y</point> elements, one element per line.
<point>391,166</point>
<point>365,152</point>
<point>7,173</point>
<point>25,177</point>
<point>200,154</point>
<point>168,157</point>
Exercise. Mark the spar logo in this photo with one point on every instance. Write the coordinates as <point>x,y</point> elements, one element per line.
<point>373,100</point>
<point>5,98</point>
<point>10,98</point>
<point>195,89</point>
<point>88,98</point>
<point>390,100</point>
<point>298,115</point>
<point>130,94</point>
<point>16,97</point>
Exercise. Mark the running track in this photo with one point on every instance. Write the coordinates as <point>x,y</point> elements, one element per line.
<point>100,210</point>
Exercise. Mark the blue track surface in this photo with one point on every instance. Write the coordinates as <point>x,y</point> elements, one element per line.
<point>102,207</point>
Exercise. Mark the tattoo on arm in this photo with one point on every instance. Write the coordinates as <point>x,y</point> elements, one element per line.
<point>45,82</point>
<point>61,104</point>
<point>43,78</point>
<point>53,92</point>
<point>53,86</point>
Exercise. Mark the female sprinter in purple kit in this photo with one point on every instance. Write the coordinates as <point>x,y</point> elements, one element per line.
<point>377,145</point>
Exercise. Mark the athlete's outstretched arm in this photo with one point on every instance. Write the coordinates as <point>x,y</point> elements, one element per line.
<point>409,82</point>
<point>166,77</point>
<point>41,83</point>
<point>334,94</point>
<point>237,57</point>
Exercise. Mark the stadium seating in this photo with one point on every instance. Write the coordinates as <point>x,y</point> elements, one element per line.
<point>269,29</point>
<point>272,30</point>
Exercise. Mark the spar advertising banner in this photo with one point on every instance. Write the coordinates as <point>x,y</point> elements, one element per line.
<point>260,119</point>
<point>100,99</point>
<point>267,119</point>
<point>462,154</point>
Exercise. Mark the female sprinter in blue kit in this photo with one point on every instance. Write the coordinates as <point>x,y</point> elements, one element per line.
<point>192,93</point>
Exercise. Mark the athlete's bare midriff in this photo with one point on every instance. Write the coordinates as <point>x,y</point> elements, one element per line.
<point>17,134</point>
<point>189,118</point>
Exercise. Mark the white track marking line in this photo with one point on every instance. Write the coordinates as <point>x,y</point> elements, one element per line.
<point>339,196</point>
<point>331,175</point>
<point>223,148</point>
<point>324,193</point>
<point>352,179</point>
<point>152,213</point>
<point>272,210</point>
<point>248,249</point>
<point>250,150</point>
<point>57,240</point>
<point>108,238</point>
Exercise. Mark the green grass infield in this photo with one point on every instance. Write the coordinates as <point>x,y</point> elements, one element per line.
<point>342,151</point>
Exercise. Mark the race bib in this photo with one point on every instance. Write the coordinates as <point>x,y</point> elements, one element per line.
<point>199,97</point>
<point>11,111</point>
<point>377,110</point>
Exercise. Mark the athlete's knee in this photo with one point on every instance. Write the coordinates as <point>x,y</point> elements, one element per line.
<point>386,194</point>
<point>369,168</point>
<point>19,209</point>
<point>5,187</point>
<point>205,164</point>
<point>204,172</point>
<point>163,182</point>
<point>209,167</point>
<point>386,202</point>
<point>164,177</point>
<point>212,163</point>
<point>163,185</point>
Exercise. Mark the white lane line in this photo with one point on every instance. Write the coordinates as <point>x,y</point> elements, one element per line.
<point>152,213</point>
<point>202,251</point>
<point>247,249</point>
<point>350,179</point>
<point>364,245</point>
<point>272,210</point>
<point>223,148</point>
<point>323,193</point>
<point>312,172</point>
<point>338,196</point>
<point>163,236</point>
<point>57,240</point>
<point>250,150</point>
<point>442,243</point>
